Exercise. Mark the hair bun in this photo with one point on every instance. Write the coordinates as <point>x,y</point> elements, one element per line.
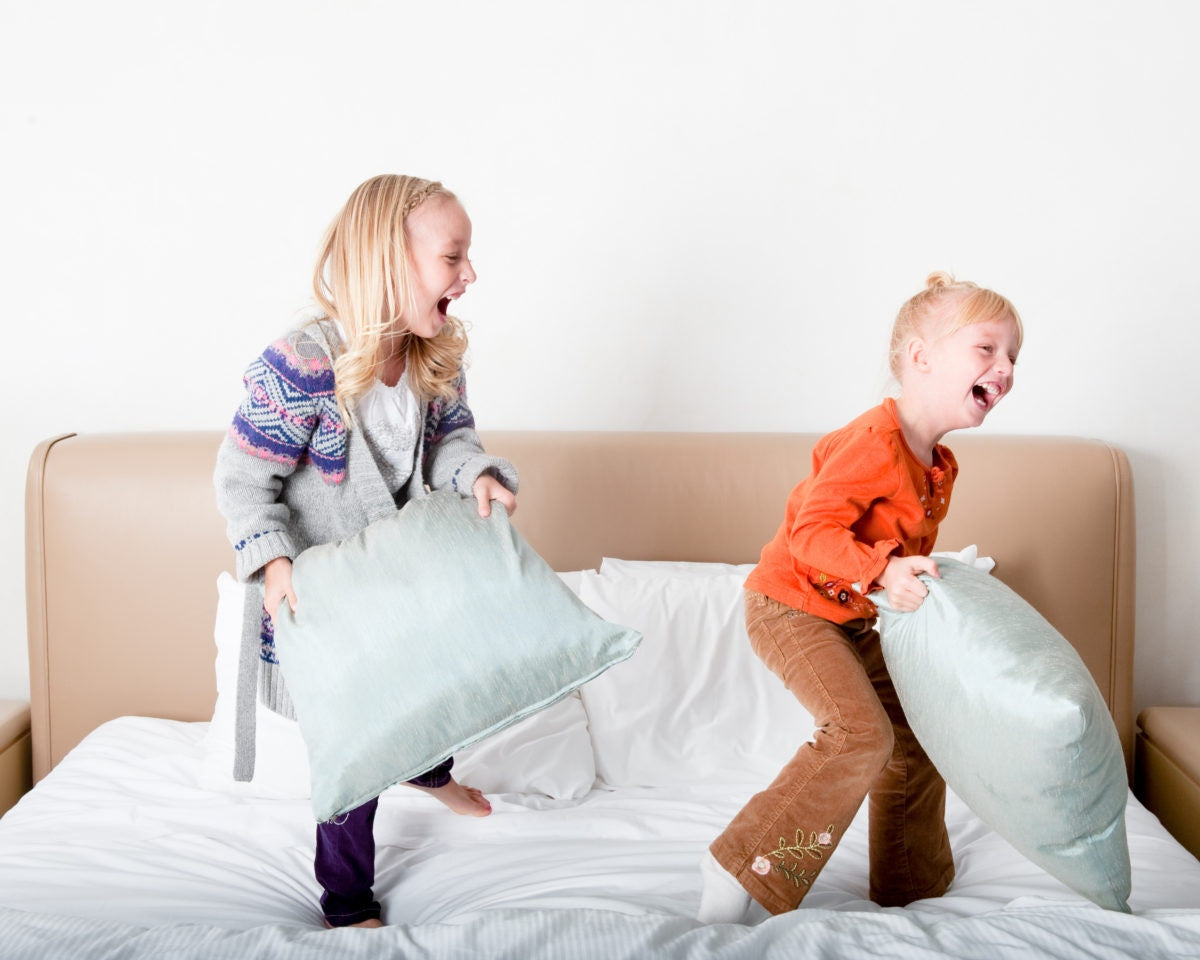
<point>939,278</point>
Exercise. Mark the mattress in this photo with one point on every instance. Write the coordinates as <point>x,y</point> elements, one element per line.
<point>121,850</point>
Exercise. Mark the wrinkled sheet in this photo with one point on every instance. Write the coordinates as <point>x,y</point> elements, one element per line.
<point>120,853</point>
<point>1062,932</point>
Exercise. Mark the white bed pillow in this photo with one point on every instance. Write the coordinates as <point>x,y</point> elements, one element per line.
<point>694,704</point>
<point>1014,722</point>
<point>423,633</point>
<point>616,567</point>
<point>548,753</point>
<point>281,761</point>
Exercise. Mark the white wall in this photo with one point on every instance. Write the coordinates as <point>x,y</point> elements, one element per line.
<point>688,216</point>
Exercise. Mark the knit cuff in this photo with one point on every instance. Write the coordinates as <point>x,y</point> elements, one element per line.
<point>256,552</point>
<point>462,481</point>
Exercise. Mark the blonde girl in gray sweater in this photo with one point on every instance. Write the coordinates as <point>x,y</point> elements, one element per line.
<point>346,418</point>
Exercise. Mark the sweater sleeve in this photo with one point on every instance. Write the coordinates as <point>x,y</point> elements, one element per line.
<point>454,456</point>
<point>857,471</point>
<point>287,416</point>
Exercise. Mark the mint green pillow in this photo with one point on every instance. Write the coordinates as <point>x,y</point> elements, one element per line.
<point>427,631</point>
<point>1014,722</point>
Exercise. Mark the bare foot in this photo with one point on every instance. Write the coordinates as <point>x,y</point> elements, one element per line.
<point>466,801</point>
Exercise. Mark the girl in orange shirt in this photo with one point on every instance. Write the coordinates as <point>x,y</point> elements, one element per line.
<point>865,518</point>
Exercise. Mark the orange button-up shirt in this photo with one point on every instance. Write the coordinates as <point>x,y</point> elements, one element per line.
<point>868,497</point>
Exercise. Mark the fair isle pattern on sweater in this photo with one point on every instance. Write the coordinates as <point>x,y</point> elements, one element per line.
<point>266,638</point>
<point>443,418</point>
<point>290,412</point>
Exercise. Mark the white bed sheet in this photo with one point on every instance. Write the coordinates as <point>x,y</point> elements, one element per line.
<point>121,836</point>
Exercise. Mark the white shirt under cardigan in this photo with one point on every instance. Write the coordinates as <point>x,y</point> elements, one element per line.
<point>390,419</point>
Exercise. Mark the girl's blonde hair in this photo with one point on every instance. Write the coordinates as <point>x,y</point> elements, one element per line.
<point>361,279</point>
<point>944,306</point>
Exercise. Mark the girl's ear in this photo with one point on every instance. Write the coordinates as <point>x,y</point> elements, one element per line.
<point>916,354</point>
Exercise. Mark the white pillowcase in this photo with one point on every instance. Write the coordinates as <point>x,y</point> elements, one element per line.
<point>614,567</point>
<point>694,704</point>
<point>548,753</point>
<point>281,761</point>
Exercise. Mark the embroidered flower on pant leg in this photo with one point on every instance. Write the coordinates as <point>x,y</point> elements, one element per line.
<point>761,866</point>
<point>789,857</point>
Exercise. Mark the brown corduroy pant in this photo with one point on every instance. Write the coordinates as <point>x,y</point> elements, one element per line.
<point>778,843</point>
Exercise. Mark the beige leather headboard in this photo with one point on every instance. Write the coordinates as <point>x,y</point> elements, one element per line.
<point>124,544</point>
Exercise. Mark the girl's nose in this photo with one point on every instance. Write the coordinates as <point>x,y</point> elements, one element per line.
<point>468,273</point>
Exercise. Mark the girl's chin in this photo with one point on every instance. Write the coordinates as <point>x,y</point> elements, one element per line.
<point>430,327</point>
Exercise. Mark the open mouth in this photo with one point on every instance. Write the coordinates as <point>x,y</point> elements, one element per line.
<point>986,394</point>
<point>444,306</point>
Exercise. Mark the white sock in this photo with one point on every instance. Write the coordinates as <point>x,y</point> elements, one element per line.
<point>722,898</point>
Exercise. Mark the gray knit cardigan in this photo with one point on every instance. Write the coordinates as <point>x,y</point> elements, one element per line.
<point>291,473</point>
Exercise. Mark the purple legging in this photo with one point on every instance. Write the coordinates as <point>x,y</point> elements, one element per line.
<point>345,860</point>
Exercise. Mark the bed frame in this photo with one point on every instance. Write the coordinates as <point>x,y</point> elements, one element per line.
<point>124,544</point>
